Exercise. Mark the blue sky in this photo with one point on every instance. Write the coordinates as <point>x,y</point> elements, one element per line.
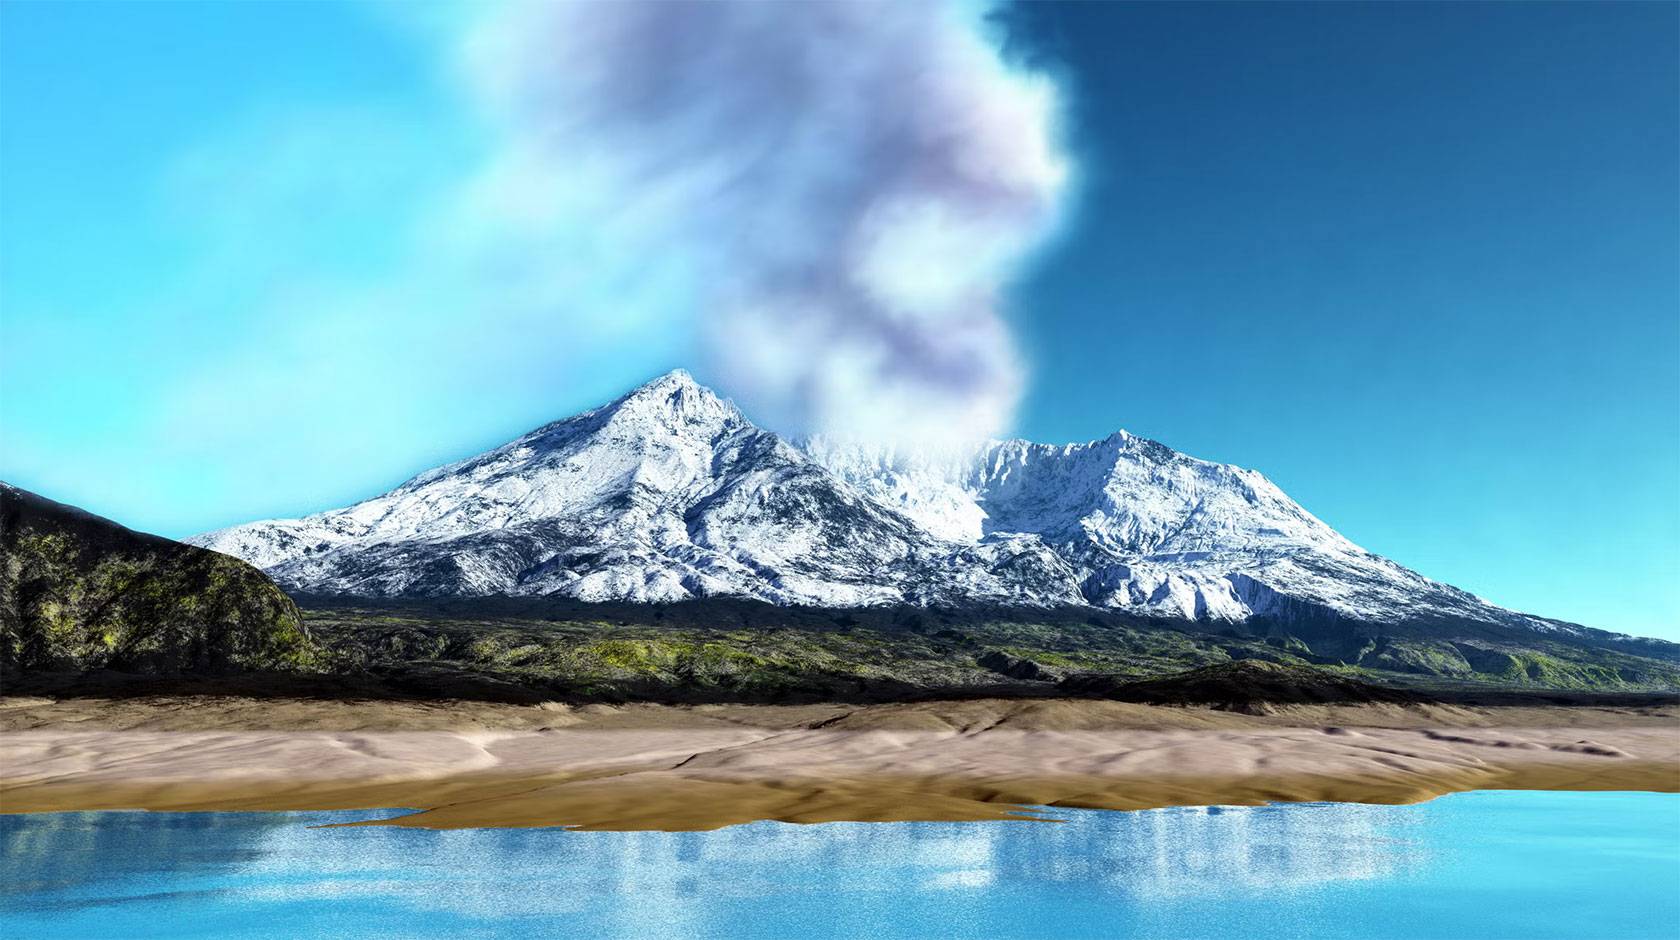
<point>1416,263</point>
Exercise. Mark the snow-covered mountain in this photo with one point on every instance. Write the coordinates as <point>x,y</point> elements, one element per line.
<point>670,493</point>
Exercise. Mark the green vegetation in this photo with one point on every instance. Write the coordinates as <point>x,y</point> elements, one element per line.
<point>80,593</point>
<point>596,659</point>
<point>832,655</point>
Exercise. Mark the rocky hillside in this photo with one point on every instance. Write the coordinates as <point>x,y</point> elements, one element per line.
<point>78,592</point>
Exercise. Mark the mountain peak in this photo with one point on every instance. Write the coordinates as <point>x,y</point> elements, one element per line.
<point>675,400</point>
<point>676,378</point>
<point>673,386</point>
<point>670,492</point>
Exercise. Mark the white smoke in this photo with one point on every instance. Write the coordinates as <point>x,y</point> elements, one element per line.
<point>847,187</point>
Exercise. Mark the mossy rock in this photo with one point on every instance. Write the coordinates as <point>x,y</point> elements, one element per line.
<point>79,593</point>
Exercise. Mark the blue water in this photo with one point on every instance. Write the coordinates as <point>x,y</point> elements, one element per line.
<point>1485,865</point>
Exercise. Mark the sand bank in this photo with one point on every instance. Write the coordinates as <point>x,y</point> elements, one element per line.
<point>655,767</point>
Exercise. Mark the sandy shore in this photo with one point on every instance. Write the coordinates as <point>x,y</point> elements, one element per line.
<point>658,767</point>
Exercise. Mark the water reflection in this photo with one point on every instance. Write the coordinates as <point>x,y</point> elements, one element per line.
<point>54,853</point>
<point>1262,871</point>
<point>1154,853</point>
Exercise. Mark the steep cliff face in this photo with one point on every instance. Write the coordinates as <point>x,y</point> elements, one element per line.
<point>78,592</point>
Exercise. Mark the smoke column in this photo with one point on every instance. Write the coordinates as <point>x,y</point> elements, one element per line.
<point>848,186</point>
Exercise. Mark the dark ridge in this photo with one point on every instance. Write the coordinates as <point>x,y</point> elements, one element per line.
<point>431,683</point>
<point>1244,686</point>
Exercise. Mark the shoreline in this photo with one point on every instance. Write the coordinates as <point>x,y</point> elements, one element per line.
<point>468,765</point>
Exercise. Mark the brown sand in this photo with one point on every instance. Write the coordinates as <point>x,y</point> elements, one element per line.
<point>656,767</point>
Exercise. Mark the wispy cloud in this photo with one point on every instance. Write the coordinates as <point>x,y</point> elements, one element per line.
<point>827,198</point>
<point>846,187</point>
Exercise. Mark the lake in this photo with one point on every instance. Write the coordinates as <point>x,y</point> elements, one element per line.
<point>1487,864</point>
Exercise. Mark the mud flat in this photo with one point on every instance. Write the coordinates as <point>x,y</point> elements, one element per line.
<point>462,764</point>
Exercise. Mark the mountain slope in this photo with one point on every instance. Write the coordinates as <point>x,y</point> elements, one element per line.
<point>80,592</point>
<point>671,493</point>
<point>665,494</point>
<point>1153,530</point>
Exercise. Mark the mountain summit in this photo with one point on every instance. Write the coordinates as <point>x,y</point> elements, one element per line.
<point>670,493</point>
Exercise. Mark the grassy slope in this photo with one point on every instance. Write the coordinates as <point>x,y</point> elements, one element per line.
<point>687,655</point>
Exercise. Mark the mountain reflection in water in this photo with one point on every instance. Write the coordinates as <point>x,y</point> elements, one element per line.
<point>1322,868</point>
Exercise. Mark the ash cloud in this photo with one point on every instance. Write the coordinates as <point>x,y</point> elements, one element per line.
<point>846,188</point>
